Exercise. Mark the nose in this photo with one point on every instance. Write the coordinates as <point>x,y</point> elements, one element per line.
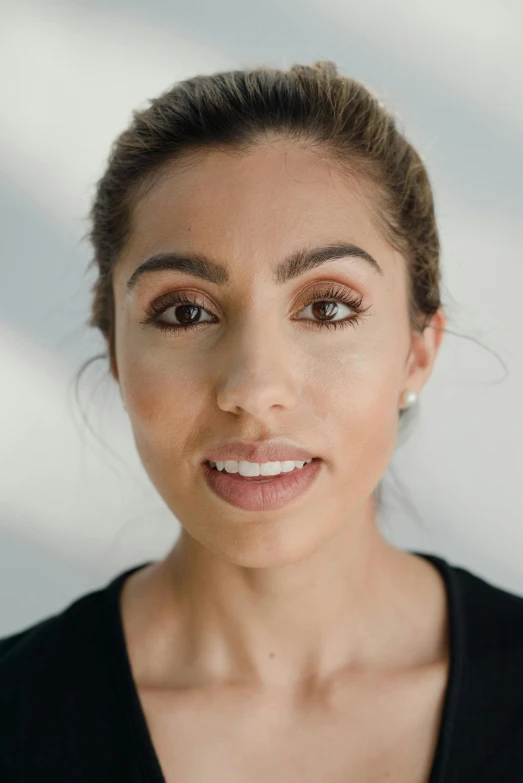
<point>257,374</point>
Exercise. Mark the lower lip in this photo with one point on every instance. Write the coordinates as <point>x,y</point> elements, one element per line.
<point>261,496</point>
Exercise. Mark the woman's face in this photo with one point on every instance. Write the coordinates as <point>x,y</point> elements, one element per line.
<point>258,367</point>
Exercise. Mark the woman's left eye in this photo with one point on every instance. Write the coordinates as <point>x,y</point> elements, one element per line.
<point>329,299</point>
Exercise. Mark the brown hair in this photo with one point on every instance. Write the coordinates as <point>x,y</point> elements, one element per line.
<point>311,104</point>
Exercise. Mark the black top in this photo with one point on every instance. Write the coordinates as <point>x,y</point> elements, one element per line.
<point>69,708</point>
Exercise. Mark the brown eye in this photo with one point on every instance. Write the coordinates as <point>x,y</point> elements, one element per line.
<point>186,310</point>
<point>324,310</point>
<point>186,314</point>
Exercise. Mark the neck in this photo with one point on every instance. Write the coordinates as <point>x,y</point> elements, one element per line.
<point>282,625</point>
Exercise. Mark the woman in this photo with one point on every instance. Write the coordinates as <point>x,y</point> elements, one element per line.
<point>268,287</point>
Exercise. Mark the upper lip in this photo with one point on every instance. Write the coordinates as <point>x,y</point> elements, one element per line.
<point>262,451</point>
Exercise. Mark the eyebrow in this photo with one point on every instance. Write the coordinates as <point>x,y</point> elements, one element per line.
<point>295,265</point>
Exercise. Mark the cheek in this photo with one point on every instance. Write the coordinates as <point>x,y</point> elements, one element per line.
<point>359,400</point>
<point>162,398</point>
<point>360,381</point>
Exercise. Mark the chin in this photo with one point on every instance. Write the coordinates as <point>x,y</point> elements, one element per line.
<point>265,546</point>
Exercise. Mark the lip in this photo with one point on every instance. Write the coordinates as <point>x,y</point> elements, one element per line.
<point>268,495</point>
<point>261,451</point>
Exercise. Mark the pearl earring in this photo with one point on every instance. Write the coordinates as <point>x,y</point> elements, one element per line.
<point>409,398</point>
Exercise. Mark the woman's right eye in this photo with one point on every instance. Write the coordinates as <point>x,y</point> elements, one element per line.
<point>183,308</point>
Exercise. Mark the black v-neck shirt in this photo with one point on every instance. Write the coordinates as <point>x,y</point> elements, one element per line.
<point>70,711</point>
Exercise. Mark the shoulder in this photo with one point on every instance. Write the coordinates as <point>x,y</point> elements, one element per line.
<point>65,645</point>
<point>60,699</point>
<point>486,625</point>
<point>45,670</point>
<point>48,641</point>
<point>485,619</point>
<point>492,617</point>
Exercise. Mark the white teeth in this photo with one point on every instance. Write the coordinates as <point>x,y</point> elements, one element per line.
<point>248,469</point>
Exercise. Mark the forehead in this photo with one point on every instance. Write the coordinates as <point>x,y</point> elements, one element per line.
<point>253,205</point>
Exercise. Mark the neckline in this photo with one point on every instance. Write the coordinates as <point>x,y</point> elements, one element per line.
<point>134,715</point>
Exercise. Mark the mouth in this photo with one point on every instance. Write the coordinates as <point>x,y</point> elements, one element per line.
<point>262,493</point>
<point>258,479</point>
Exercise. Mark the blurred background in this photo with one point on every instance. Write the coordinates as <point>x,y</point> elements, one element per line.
<point>76,506</point>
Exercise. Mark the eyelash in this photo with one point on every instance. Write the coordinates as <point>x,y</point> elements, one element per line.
<point>335,293</point>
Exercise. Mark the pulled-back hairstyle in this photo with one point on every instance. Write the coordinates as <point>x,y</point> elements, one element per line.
<point>314,105</point>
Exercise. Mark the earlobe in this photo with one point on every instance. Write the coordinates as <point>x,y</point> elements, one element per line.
<point>408,399</point>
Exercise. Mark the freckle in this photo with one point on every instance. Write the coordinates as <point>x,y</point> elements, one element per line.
<point>271,655</point>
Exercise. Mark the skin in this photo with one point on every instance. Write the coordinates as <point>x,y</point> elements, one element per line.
<point>299,601</point>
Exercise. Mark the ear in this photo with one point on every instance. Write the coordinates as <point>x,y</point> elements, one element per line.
<point>114,369</point>
<point>424,349</point>
<point>114,372</point>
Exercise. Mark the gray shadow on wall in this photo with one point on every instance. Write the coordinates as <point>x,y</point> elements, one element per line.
<point>44,286</point>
